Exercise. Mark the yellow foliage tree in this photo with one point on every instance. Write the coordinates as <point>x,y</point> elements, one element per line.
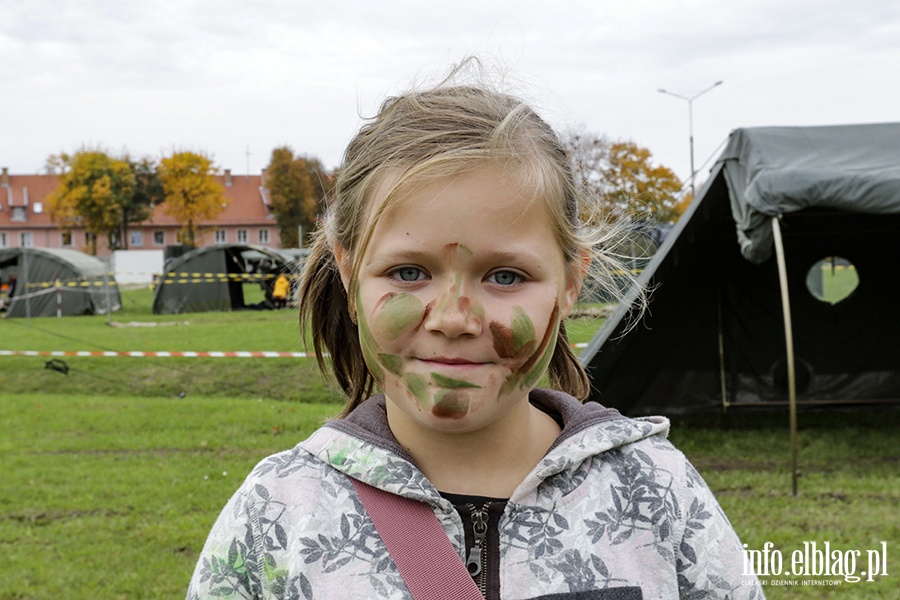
<point>93,191</point>
<point>622,178</point>
<point>192,196</point>
<point>636,179</point>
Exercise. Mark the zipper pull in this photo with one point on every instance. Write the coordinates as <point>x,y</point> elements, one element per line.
<point>479,528</point>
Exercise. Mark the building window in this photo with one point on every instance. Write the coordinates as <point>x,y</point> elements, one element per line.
<point>2,240</point>
<point>263,236</point>
<point>241,236</point>
<point>159,238</point>
<point>136,238</point>
<point>220,236</point>
<point>19,213</point>
<point>89,238</point>
<point>25,239</point>
<point>65,239</point>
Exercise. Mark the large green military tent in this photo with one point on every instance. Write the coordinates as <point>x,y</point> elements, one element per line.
<point>212,278</point>
<point>715,336</point>
<point>53,281</point>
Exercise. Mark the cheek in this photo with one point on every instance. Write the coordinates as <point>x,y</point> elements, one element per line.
<point>517,340</point>
<point>396,314</point>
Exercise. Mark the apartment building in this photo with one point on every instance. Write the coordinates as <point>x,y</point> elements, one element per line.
<point>25,221</point>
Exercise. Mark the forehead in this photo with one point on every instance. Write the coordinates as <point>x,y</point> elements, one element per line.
<point>435,184</point>
<point>485,208</point>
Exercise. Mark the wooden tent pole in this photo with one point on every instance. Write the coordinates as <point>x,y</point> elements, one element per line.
<point>789,346</point>
<point>722,387</point>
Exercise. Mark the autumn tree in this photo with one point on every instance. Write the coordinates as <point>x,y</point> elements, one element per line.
<point>297,185</point>
<point>191,194</point>
<point>623,178</point>
<point>93,191</point>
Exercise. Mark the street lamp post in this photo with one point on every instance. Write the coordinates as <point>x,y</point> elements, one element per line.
<point>690,101</point>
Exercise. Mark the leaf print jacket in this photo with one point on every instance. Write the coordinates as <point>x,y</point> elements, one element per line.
<point>612,512</point>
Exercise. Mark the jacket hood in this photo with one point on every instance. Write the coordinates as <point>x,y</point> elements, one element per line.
<point>363,447</point>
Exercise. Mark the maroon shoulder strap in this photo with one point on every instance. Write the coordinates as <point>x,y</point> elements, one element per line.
<point>427,561</point>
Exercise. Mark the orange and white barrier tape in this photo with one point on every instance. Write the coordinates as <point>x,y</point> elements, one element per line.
<point>185,354</point>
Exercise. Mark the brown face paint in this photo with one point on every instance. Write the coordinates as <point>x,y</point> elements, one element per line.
<point>451,405</point>
<point>515,341</point>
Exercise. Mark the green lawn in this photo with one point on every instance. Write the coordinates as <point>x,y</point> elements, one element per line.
<point>114,473</point>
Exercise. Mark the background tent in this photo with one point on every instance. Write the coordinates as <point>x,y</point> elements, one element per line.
<point>212,278</point>
<point>86,286</point>
<point>714,335</point>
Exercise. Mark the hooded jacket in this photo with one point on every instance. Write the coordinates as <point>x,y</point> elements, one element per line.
<point>612,512</point>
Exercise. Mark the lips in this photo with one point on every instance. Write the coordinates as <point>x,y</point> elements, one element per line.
<point>443,360</point>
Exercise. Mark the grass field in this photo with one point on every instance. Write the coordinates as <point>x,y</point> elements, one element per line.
<point>114,473</point>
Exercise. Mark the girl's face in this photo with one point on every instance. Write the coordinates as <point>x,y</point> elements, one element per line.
<point>459,298</point>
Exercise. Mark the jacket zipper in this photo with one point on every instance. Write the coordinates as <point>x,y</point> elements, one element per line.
<point>476,562</point>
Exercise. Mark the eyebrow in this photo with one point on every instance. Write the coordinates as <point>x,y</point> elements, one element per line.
<point>502,257</point>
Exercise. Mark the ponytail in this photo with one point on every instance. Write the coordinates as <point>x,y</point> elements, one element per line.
<point>324,311</point>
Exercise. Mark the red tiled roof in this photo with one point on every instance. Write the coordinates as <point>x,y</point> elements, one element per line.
<point>245,207</point>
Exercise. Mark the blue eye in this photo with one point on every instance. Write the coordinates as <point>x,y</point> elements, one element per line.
<point>408,274</point>
<point>505,278</point>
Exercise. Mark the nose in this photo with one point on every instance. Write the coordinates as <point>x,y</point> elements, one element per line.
<point>454,314</point>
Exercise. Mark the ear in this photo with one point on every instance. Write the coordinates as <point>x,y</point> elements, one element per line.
<point>574,279</point>
<point>342,259</point>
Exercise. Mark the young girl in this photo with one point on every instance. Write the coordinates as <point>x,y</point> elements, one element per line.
<point>451,254</point>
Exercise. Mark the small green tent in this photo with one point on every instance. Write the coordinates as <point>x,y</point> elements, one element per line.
<point>211,278</point>
<point>52,281</point>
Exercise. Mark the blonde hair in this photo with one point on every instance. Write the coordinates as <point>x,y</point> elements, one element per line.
<point>418,137</point>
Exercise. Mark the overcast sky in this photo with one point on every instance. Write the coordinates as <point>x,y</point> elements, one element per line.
<point>227,77</point>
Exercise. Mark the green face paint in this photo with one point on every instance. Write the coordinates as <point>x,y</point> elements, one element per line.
<point>418,387</point>
<point>367,343</point>
<point>450,383</point>
<point>396,314</point>
<point>535,358</point>
<point>391,362</point>
<point>522,331</point>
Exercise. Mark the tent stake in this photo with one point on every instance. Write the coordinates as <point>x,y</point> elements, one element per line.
<point>789,346</point>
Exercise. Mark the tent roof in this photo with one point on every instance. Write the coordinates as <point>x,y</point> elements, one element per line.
<point>79,262</point>
<point>778,170</point>
<point>250,250</point>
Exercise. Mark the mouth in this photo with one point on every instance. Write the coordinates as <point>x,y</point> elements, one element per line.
<point>444,361</point>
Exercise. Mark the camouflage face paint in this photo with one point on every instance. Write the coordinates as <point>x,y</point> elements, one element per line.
<point>391,362</point>
<point>367,343</point>
<point>450,383</point>
<point>418,387</point>
<point>515,341</point>
<point>453,297</point>
<point>396,314</point>
<point>535,358</point>
<point>451,405</point>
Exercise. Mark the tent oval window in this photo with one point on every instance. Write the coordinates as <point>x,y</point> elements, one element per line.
<point>832,279</point>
